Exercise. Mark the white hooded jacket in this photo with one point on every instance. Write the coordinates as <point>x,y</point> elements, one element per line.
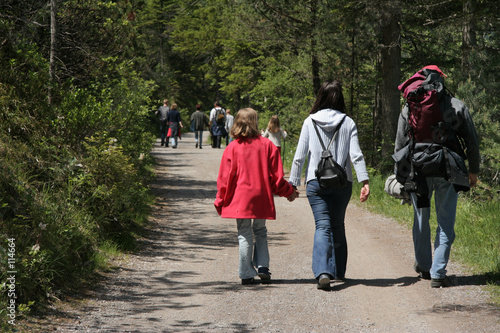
<point>344,148</point>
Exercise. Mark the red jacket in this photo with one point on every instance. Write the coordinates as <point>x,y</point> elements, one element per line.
<point>250,173</point>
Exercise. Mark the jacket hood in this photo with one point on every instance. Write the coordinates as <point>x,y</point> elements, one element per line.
<point>328,119</point>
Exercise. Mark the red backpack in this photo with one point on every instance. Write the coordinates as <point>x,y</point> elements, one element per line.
<point>423,93</point>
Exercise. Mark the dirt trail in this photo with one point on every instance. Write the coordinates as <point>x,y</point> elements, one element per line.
<point>185,277</point>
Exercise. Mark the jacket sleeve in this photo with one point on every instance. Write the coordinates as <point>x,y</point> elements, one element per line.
<point>402,138</point>
<point>279,185</point>
<point>300,155</point>
<point>467,131</point>
<point>356,155</point>
<point>223,180</point>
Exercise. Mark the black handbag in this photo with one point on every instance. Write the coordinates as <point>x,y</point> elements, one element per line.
<point>329,173</point>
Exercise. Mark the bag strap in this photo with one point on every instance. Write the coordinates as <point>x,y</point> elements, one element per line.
<point>333,137</point>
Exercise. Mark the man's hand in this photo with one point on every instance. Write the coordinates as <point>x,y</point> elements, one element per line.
<point>472,179</point>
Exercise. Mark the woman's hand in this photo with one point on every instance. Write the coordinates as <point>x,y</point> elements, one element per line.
<point>365,191</point>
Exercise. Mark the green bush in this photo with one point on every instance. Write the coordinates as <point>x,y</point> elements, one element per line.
<point>73,184</point>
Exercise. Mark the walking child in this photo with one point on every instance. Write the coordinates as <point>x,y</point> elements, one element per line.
<point>245,192</point>
<point>274,132</point>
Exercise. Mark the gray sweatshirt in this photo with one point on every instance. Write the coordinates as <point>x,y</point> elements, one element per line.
<point>345,149</point>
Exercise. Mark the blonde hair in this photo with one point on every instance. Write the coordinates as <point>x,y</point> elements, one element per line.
<point>174,106</point>
<point>246,123</point>
<point>274,124</point>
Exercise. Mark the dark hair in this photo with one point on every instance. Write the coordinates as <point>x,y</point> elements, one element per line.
<point>217,103</point>
<point>198,107</point>
<point>329,97</point>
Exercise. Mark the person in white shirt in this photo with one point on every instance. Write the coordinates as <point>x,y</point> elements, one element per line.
<point>229,124</point>
<point>329,204</point>
<point>217,125</point>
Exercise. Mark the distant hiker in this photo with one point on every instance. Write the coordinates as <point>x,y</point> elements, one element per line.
<point>175,124</point>
<point>217,123</point>
<point>250,174</point>
<point>199,121</point>
<point>163,112</point>
<point>274,132</point>
<point>430,158</point>
<point>228,126</point>
<point>329,204</point>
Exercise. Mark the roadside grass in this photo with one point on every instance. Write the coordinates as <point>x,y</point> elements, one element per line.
<point>477,228</point>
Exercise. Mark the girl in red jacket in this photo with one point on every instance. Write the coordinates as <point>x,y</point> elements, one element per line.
<point>250,174</point>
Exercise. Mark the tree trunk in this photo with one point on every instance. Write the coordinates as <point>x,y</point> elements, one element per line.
<point>390,57</point>
<point>53,48</point>
<point>468,37</point>
<point>315,65</point>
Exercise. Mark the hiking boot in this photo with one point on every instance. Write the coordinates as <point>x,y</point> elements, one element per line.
<point>324,282</point>
<point>247,281</point>
<point>264,274</point>
<point>421,273</point>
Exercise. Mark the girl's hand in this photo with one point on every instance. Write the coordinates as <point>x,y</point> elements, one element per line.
<point>365,191</point>
<point>293,196</point>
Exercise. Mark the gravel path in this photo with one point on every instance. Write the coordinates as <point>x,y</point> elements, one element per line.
<point>185,277</point>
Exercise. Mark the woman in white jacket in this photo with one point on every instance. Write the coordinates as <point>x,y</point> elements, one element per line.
<point>329,205</point>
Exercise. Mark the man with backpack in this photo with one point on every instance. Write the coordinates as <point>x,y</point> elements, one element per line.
<point>217,124</point>
<point>435,136</point>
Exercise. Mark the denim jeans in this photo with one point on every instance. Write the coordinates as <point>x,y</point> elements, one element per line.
<point>330,243</point>
<point>445,200</point>
<point>198,136</point>
<point>163,131</point>
<point>229,139</point>
<point>246,233</point>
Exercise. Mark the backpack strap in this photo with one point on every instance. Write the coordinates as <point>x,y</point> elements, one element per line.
<point>333,137</point>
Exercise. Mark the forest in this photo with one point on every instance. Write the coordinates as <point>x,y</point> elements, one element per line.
<point>80,81</point>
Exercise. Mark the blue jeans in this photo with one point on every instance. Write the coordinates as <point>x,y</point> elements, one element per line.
<point>163,131</point>
<point>229,139</point>
<point>198,135</point>
<point>330,243</point>
<point>246,233</point>
<point>445,199</point>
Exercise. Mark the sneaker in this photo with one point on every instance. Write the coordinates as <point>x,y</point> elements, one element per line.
<point>247,281</point>
<point>324,282</point>
<point>421,273</point>
<point>264,273</point>
<point>440,283</point>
